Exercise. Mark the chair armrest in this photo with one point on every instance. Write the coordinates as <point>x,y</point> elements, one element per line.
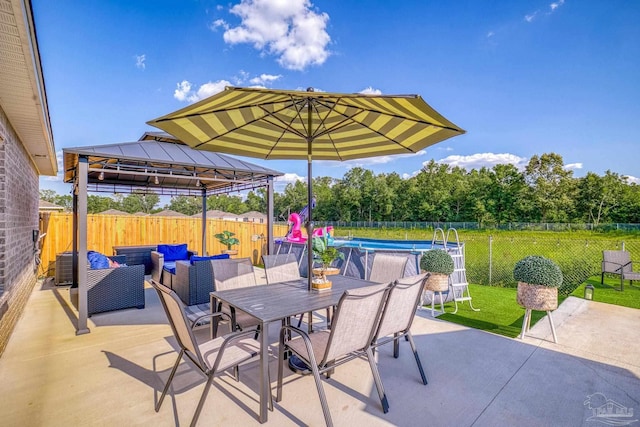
<point>120,259</point>
<point>204,316</point>
<point>157,262</point>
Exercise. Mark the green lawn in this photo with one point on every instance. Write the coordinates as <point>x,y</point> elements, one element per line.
<point>501,314</point>
<point>499,311</point>
<point>609,292</point>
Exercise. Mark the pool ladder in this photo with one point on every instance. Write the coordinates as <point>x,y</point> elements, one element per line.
<point>458,279</point>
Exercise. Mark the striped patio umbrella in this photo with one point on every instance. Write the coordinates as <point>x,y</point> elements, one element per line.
<point>283,124</point>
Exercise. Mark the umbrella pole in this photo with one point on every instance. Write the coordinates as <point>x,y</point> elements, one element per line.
<point>309,223</point>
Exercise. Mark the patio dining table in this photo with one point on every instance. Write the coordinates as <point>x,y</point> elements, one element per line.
<point>277,301</point>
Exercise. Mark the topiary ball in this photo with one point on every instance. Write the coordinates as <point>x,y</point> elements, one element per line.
<point>437,261</point>
<point>538,270</point>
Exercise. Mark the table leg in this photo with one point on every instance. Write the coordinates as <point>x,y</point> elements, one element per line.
<point>265,387</point>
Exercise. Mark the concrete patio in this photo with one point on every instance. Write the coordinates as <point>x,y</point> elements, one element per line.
<point>114,375</point>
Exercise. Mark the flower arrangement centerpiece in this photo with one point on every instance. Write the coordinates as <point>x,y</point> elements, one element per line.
<point>325,255</point>
<point>538,281</point>
<point>439,263</point>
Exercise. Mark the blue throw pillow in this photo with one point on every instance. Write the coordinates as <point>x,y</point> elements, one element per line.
<point>97,260</point>
<point>173,252</point>
<point>207,258</point>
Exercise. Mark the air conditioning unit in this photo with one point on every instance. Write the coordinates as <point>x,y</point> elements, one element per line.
<point>64,268</point>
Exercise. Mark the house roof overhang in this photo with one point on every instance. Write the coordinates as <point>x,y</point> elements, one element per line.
<point>23,96</point>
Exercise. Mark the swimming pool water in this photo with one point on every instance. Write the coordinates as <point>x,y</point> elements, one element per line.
<point>404,245</point>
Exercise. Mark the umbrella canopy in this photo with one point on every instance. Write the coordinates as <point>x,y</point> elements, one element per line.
<point>281,124</point>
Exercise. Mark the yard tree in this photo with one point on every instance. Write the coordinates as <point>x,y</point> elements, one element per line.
<point>294,197</point>
<point>256,201</point>
<point>140,201</point>
<point>434,184</point>
<point>506,192</point>
<point>325,209</point>
<point>552,187</point>
<point>599,196</point>
<point>97,204</point>
<point>188,205</point>
<point>227,203</point>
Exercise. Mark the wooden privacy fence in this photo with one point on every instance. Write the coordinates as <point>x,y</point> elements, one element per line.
<point>106,231</point>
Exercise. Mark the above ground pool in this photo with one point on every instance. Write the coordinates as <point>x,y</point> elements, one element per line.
<point>399,245</point>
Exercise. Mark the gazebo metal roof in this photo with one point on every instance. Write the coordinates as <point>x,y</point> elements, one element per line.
<point>161,164</point>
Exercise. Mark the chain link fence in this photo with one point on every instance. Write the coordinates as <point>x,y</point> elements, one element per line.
<point>491,261</point>
<point>491,257</point>
<point>529,226</point>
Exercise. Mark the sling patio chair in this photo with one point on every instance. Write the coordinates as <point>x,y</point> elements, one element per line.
<point>233,274</point>
<point>354,325</point>
<point>619,262</point>
<point>387,268</point>
<point>211,357</point>
<point>397,317</point>
<point>284,267</point>
<point>280,267</point>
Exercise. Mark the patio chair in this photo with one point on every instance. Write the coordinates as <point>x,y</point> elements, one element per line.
<point>350,336</point>
<point>387,268</point>
<point>397,317</point>
<point>619,262</point>
<point>283,267</point>
<point>233,274</point>
<point>280,268</point>
<point>211,357</point>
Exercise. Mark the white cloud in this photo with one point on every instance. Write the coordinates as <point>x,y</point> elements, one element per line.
<point>632,179</point>
<point>531,16</point>
<point>290,30</point>
<point>289,178</point>
<point>219,23</point>
<point>490,34</point>
<point>572,166</point>
<point>371,91</point>
<point>479,160</point>
<point>184,90</point>
<point>140,61</point>
<point>553,6</point>
<point>263,79</point>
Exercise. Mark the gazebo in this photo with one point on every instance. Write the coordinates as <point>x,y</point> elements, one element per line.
<point>156,163</point>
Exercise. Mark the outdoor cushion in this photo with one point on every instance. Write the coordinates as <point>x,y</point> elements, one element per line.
<point>173,252</point>
<point>208,258</point>
<point>97,260</point>
<point>170,267</point>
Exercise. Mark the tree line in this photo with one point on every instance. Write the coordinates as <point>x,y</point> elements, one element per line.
<point>543,192</point>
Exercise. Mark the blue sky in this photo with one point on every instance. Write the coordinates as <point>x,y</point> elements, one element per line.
<point>522,78</point>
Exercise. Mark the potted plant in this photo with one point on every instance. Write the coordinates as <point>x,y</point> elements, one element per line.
<point>439,263</point>
<point>325,254</point>
<point>538,281</point>
<point>227,238</point>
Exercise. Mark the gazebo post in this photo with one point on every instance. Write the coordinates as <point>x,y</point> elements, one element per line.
<point>204,221</point>
<point>83,176</point>
<point>270,215</point>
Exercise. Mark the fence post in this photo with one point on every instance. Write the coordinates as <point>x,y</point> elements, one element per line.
<point>490,257</point>
<point>623,245</point>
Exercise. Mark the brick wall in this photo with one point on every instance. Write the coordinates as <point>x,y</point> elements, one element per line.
<point>19,194</point>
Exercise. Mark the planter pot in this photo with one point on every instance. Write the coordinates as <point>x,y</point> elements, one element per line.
<point>537,297</point>
<point>230,252</point>
<point>328,272</point>
<point>321,285</point>
<point>437,282</point>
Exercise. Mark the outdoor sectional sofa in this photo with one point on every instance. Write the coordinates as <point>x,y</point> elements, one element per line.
<point>163,261</point>
<point>193,280</point>
<point>114,288</point>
